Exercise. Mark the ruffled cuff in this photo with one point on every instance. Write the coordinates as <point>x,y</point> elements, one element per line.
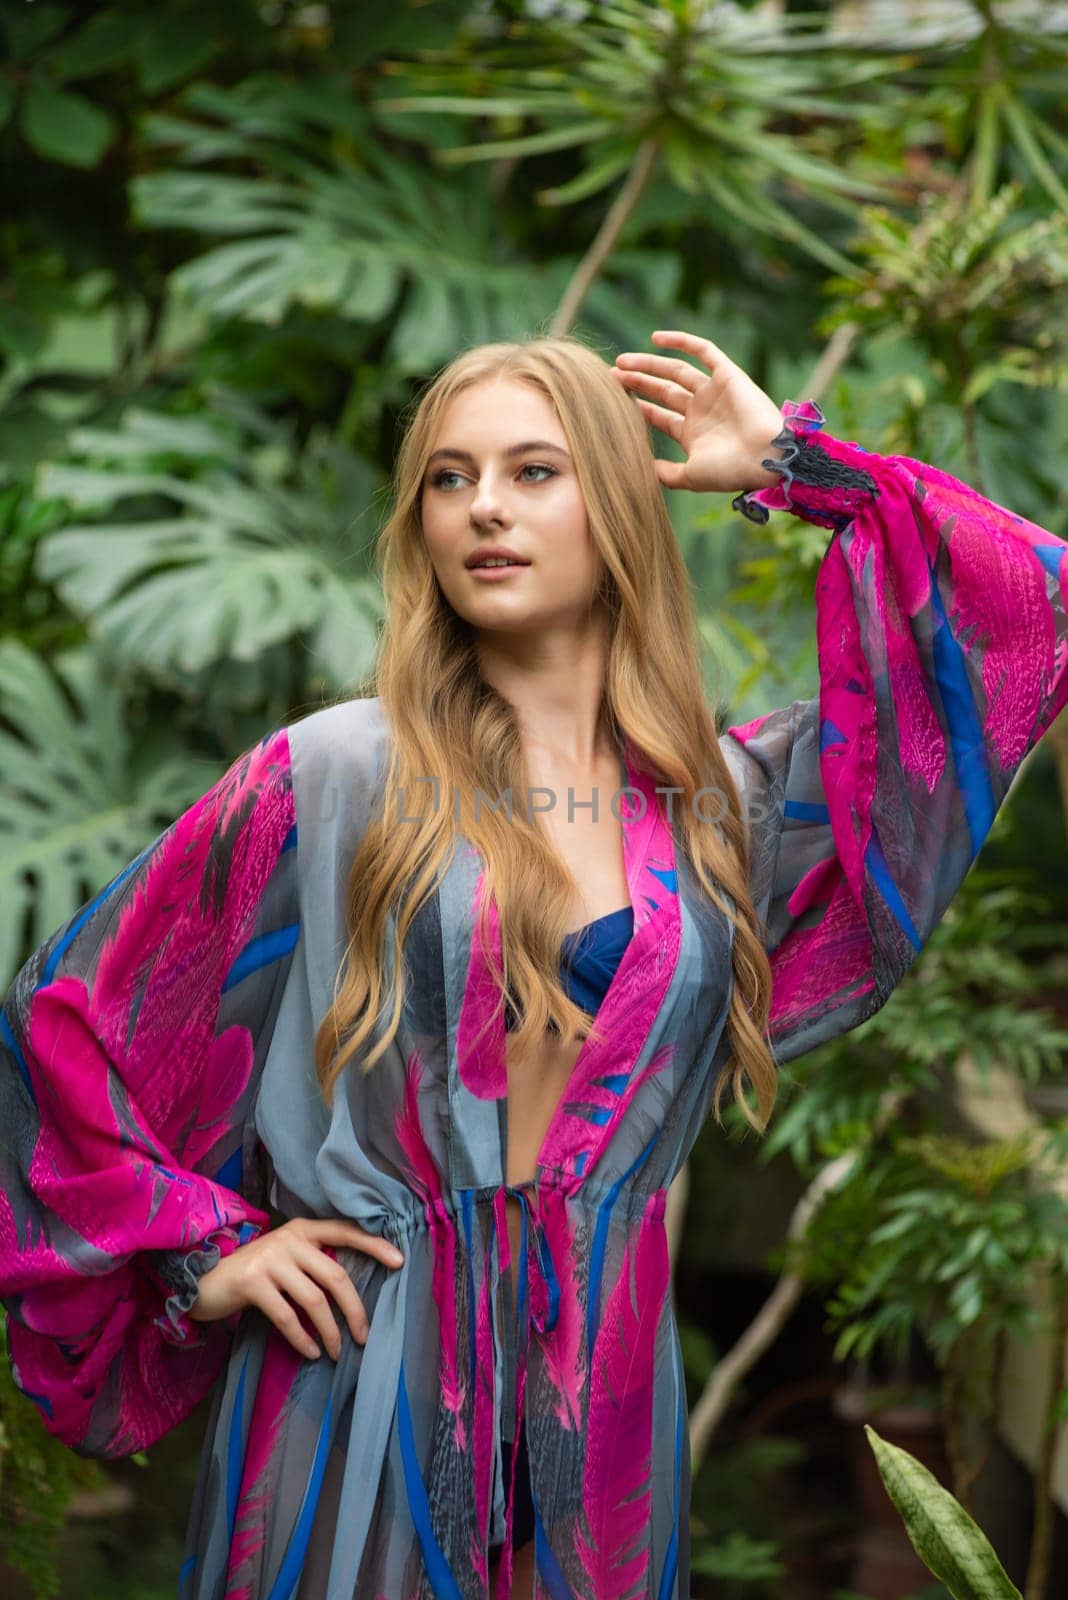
<point>818,482</point>
<point>178,1272</point>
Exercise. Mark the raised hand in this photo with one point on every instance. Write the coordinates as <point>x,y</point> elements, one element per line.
<point>291,1258</point>
<point>721,418</point>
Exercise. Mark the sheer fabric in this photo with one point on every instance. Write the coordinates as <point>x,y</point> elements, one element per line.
<point>157,1090</point>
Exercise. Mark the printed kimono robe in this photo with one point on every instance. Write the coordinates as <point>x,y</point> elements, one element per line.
<point>157,1090</point>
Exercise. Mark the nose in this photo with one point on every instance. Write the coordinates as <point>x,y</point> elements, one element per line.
<point>487,512</point>
<point>488,505</point>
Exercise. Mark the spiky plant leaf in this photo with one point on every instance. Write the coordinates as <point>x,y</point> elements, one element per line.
<point>946,1539</point>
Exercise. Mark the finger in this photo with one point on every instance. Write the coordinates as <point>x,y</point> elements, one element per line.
<point>277,1308</point>
<point>672,474</point>
<point>702,348</point>
<point>662,367</point>
<point>296,1283</point>
<point>668,422</point>
<point>658,388</point>
<point>332,1275</point>
<point>335,1230</point>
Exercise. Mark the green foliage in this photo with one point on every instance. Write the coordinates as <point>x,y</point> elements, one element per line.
<point>948,1237</point>
<point>944,1536</point>
<point>238,239</point>
<point>735,1499</point>
<point>77,799</point>
<point>38,1476</point>
<point>711,96</point>
<point>971,991</point>
<point>983,287</point>
<point>742,1560</point>
<point>234,540</point>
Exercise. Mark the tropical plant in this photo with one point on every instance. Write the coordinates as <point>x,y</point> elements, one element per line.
<point>238,237</point>
<point>944,1536</point>
<point>232,541</point>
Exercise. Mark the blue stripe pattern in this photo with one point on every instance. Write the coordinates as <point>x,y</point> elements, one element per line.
<point>667,876</point>
<point>284,1586</point>
<point>875,862</point>
<point>600,1241</point>
<point>616,1081</point>
<point>235,1453</point>
<point>671,1558</point>
<point>79,922</point>
<point>1051,556</point>
<point>260,952</point>
<point>548,1272</point>
<point>16,1050</point>
<point>552,1575</point>
<point>965,728</point>
<point>229,1174</point>
<point>442,1582</point>
<point>806,811</point>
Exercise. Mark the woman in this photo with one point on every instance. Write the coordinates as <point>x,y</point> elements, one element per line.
<point>467,1193</point>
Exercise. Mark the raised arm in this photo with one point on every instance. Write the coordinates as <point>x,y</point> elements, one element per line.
<point>130,1047</point>
<point>942,638</point>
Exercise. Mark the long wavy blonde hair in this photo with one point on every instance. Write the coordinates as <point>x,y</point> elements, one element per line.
<point>445,719</point>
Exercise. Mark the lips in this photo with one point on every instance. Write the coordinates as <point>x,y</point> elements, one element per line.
<point>478,558</point>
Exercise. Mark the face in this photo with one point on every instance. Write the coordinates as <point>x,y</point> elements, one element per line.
<point>480,489</point>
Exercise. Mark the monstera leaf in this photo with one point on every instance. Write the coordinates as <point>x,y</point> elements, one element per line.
<point>315,212</point>
<point>229,542</point>
<point>77,800</point>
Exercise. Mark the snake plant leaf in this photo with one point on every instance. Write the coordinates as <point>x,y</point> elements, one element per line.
<point>947,1540</point>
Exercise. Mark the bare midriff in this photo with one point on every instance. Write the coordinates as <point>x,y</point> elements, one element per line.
<point>534,1092</point>
<point>592,850</point>
<point>593,853</point>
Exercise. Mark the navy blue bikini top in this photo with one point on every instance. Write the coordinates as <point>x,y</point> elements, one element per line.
<point>591,957</point>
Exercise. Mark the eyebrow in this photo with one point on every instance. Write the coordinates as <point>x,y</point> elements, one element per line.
<point>513,450</point>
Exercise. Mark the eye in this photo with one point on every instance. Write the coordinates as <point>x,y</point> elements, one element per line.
<point>529,466</point>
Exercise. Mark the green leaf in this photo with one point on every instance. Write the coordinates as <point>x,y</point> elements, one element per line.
<point>529,144</point>
<point>517,105</point>
<point>597,176</point>
<point>28,27</point>
<point>171,48</point>
<point>103,42</point>
<point>944,1536</point>
<point>72,810</point>
<point>232,547</point>
<point>1019,119</point>
<point>63,126</point>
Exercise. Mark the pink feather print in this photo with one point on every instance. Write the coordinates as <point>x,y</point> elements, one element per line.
<point>590,1138</point>
<point>201,938</point>
<point>480,1032</point>
<point>281,1364</point>
<point>482,1423</point>
<point>563,1356</point>
<point>427,1183</point>
<point>612,1539</point>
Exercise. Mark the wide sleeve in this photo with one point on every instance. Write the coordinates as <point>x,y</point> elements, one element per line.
<point>130,1048</point>
<point>942,643</point>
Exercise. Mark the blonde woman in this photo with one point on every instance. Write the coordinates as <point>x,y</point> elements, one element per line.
<point>450,975</point>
